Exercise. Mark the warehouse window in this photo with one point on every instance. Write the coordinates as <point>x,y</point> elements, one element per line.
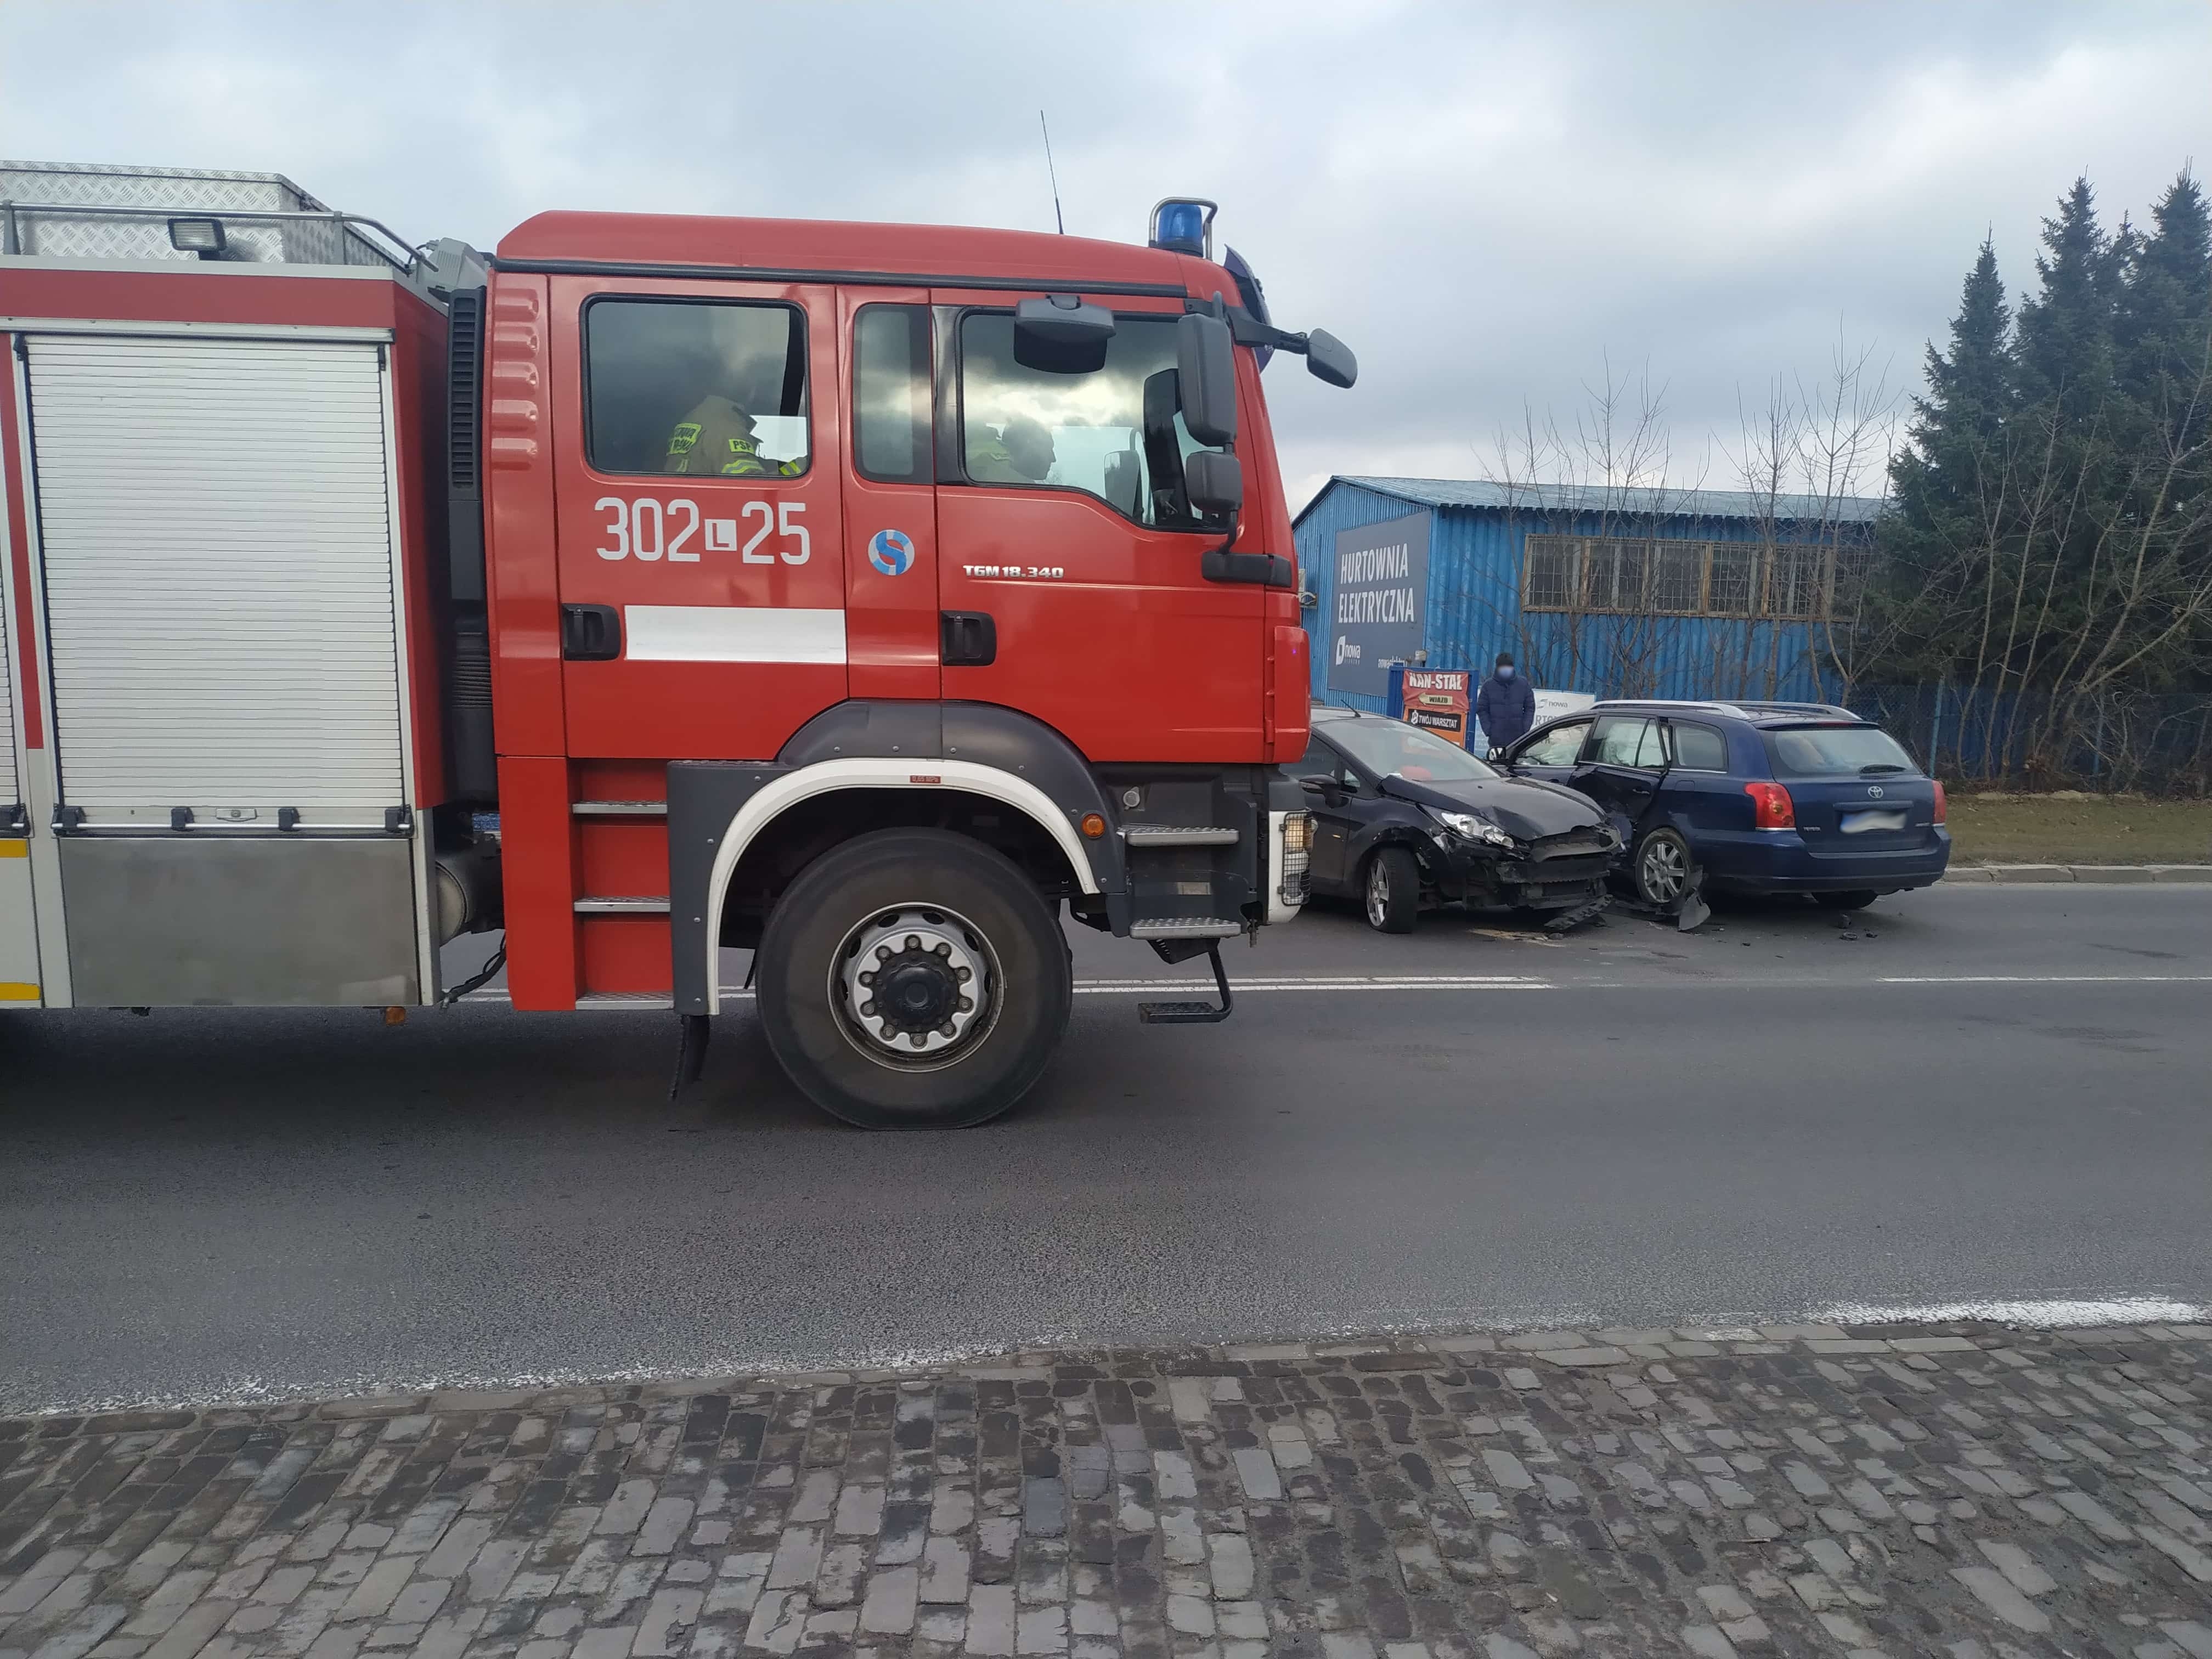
<point>1732,583</point>
<point>1678,578</point>
<point>1607,576</point>
<point>707,389</point>
<point>1553,562</point>
<point>1793,579</point>
<point>1615,576</point>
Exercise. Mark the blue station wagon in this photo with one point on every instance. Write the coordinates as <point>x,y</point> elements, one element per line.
<point>1763,797</point>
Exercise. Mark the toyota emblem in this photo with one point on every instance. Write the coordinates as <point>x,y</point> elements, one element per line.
<point>1873,791</point>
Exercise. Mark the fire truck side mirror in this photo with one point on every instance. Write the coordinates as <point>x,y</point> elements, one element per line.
<point>1214,483</point>
<point>1205,378</point>
<point>1059,334</point>
<point>1329,359</point>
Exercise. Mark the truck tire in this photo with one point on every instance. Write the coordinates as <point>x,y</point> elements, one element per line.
<point>1393,890</point>
<point>972,970</point>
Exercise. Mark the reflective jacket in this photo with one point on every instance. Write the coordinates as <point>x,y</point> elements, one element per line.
<point>715,440</point>
<point>989,461</point>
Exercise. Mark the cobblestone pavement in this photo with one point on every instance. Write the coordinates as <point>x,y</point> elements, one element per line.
<point>1967,1490</point>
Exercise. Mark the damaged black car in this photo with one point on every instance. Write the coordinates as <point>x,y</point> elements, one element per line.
<point>1404,821</point>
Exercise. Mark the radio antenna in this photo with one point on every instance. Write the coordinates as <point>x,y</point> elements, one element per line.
<point>1052,173</point>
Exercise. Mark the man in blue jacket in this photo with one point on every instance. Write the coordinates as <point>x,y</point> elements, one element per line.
<point>1505,707</point>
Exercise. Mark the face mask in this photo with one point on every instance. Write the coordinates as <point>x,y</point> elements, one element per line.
<point>1506,673</point>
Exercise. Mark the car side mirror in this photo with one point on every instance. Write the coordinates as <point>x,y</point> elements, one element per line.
<point>1061,334</point>
<point>1214,483</point>
<point>1322,784</point>
<point>1329,359</point>
<point>1205,378</point>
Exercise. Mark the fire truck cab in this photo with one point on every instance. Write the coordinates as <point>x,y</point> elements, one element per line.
<point>863,596</point>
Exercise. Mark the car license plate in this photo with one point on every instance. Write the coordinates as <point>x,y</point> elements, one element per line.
<point>1857,824</point>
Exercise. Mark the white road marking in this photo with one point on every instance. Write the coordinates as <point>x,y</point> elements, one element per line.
<point>1395,982</point>
<point>2047,1313</point>
<point>2048,979</point>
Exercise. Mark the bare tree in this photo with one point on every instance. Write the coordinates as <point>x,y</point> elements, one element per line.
<point>1608,476</point>
<point>1812,458</point>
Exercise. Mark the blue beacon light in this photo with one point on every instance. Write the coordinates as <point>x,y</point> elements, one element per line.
<point>1184,225</point>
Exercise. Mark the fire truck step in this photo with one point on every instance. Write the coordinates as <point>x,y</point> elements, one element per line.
<point>1176,835</point>
<point>641,905</point>
<point>1186,927</point>
<point>620,809</point>
<point>1192,1014</point>
<point>624,1001</point>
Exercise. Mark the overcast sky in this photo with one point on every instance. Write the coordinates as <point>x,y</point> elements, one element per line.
<point>1489,204</point>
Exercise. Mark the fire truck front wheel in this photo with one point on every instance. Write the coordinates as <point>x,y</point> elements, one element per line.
<point>913,978</point>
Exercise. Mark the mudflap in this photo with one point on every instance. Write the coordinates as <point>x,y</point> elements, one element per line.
<point>692,1035</point>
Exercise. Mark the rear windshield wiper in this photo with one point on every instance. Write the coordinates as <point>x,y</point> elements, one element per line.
<point>1880,766</point>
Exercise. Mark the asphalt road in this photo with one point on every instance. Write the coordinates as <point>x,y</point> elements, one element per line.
<point>1996,1094</point>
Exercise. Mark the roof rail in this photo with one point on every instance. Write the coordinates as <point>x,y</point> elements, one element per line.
<point>12,211</point>
<point>1746,709</point>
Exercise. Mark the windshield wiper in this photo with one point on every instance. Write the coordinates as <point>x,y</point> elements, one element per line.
<point>1880,766</point>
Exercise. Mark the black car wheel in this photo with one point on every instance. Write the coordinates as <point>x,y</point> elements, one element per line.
<point>1394,891</point>
<point>1662,869</point>
<point>1857,899</point>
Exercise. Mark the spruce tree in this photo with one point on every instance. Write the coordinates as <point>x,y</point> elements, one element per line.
<point>2162,342</point>
<point>1947,480</point>
<point>2066,341</point>
<point>2051,529</point>
<point>2164,323</point>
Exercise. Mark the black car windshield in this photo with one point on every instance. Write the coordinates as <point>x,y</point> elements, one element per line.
<point>1387,747</point>
<point>1835,751</point>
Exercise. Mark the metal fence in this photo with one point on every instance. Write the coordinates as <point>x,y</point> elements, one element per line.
<point>2155,744</point>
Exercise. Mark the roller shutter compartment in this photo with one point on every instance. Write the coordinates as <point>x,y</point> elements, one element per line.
<point>11,782</point>
<point>215,536</point>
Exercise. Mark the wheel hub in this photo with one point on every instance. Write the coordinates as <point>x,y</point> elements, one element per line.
<point>914,982</point>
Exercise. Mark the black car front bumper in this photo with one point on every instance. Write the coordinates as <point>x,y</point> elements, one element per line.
<point>1557,872</point>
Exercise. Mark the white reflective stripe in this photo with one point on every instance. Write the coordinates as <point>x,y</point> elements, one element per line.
<point>824,777</point>
<point>731,632</point>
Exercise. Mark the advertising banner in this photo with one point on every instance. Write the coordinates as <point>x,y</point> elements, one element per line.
<point>1381,596</point>
<point>1437,701</point>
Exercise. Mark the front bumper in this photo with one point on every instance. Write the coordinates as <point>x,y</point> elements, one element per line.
<point>1473,873</point>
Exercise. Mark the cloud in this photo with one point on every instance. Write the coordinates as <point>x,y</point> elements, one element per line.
<point>1489,204</point>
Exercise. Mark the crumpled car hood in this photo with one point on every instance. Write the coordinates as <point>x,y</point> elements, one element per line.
<point>1524,807</point>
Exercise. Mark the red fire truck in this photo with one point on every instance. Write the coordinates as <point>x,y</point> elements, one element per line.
<point>864,597</point>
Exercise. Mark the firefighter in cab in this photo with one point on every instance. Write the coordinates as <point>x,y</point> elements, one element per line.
<point>719,438</point>
<point>1022,452</point>
<point>716,439</point>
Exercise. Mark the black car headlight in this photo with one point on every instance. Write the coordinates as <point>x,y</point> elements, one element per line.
<point>1470,826</point>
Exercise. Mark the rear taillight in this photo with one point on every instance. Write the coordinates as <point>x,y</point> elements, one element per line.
<point>1942,803</point>
<point>1770,806</point>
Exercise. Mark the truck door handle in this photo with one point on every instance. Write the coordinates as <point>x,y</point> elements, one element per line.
<point>967,639</point>
<point>590,633</point>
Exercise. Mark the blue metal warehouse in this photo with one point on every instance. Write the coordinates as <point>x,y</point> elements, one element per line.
<point>1614,590</point>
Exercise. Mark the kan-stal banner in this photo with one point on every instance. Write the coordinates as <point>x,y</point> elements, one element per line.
<point>1436,700</point>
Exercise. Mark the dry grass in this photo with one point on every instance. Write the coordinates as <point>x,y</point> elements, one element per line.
<point>2070,829</point>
